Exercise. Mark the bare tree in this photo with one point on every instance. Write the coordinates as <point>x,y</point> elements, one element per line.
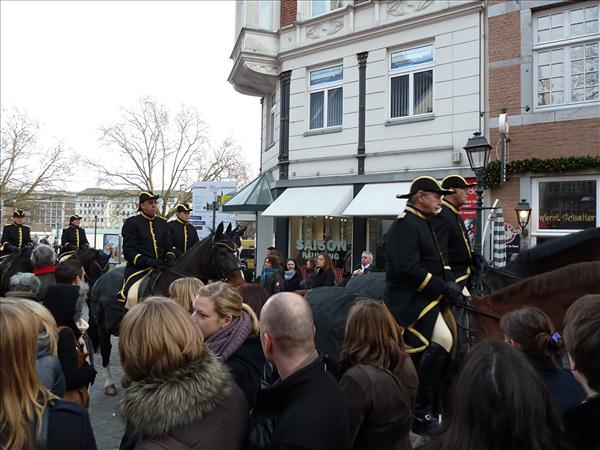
<point>26,167</point>
<point>150,152</point>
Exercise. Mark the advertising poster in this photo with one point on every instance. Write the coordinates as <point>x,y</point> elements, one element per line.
<point>204,194</point>
<point>469,216</point>
<point>112,247</point>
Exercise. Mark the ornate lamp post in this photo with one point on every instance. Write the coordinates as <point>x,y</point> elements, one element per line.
<point>523,211</point>
<point>478,152</point>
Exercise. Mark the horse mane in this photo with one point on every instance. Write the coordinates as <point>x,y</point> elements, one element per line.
<point>568,278</point>
<point>555,246</point>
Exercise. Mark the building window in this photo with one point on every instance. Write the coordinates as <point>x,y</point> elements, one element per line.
<point>411,82</point>
<point>566,56</point>
<point>318,7</point>
<point>273,104</point>
<point>325,97</point>
<point>564,205</point>
<point>265,14</point>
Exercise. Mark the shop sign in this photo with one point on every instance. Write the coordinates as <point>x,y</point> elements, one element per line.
<point>469,216</point>
<point>313,247</point>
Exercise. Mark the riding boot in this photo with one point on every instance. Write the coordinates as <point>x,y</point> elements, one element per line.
<point>431,369</point>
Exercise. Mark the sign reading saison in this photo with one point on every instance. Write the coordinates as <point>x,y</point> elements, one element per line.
<point>312,247</point>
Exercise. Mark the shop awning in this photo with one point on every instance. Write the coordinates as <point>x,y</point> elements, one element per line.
<point>378,200</point>
<point>311,201</point>
<point>255,196</point>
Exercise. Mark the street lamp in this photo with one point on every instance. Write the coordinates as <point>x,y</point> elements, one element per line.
<point>523,214</point>
<point>478,152</point>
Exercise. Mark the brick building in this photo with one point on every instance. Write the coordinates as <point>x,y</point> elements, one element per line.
<point>543,68</point>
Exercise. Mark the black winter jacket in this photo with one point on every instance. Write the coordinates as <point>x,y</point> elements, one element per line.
<point>246,365</point>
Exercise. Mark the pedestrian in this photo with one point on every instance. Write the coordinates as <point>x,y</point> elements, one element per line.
<point>380,381</point>
<point>366,264</point>
<point>181,395</point>
<point>324,273</point>
<point>30,415</point>
<point>272,278</point>
<point>43,260</point>
<point>184,290</point>
<point>230,330</point>
<point>530,330</point>
<point>417,288</point>
<point>307,272</point>
<point>24,285</point>
<point>304,408</point>
<point>254,295</point>
<point>292,276</point>
<point>499,402</point>
<point>582,340</point>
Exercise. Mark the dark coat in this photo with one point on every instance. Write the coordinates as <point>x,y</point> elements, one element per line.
<point>69,427</point>
<point>414,268</point>
<point>16,235</point>
<point>320,278</point>
<point>382,404</point>
<point>72,238</point>
<point>246,365</point>
<point>46,279</point>
<point>75,377</point>
<point>453,239</point>
<point>310,411</point>
<point>198,405</point>
<point>581,425</point>
<point>183,235</point>
<point>369,269</point>
<point>293,284</point>
<point>272,280</point>
<point>145,236</point>
<point>564,389</point>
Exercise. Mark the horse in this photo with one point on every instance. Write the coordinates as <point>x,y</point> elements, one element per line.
<point>19,261</point>
<point>573,248</point>
<point>213,258</point>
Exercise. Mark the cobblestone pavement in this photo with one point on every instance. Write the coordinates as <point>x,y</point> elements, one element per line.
<point>104,410</point>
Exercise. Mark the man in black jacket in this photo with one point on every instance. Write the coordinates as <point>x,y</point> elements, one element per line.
<point>183,233</point>
<point>73,237</point>
<point>417,281</point>
<point>15,236</point>
<point>307,406</point>
<point>450,229</point>
<point>146,243</point>
<point>366,264</point>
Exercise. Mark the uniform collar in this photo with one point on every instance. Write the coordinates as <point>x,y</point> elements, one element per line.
<point>147,217</point>
<point>415,211</point>
<point>180,221</point>
<point>73,226</point>
<point>452,208</point>
<point>15,223</point>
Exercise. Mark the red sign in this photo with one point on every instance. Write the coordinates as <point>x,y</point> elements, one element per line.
<point>469,216</point>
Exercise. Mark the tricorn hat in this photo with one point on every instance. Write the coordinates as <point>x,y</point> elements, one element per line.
<point>426,184</point>
<point>147,195</point>
<point>456,181</point>
<point>75,217</point>
<point>18,213</point>
<point>183,207</point>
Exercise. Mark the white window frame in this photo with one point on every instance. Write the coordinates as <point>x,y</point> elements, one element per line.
<point>343,4</point>
<point>410,71</point>
<point>535,204</point>
<point>325,87</point>
<point>271,119</point>
<point>565,43</point>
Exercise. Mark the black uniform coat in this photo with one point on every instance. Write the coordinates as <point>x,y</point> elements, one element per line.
<point>72,238</point>
<point>414,271</point>
<point>452,237</point>
<point>16,235</point>
<point>143,237</point>
<point>183,235</point>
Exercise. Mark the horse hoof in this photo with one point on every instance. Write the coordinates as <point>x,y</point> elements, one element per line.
<point>110,390</point>
<point>125,382</point>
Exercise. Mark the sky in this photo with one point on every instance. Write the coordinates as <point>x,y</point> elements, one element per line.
<point>71,64</point>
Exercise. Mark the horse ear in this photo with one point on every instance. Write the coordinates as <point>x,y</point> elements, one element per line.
<point>219,230</point>
<point>239,232</point>
<point>228,228</point>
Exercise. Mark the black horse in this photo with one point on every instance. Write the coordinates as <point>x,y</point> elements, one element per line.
<point>20,261</point>
<point>212,259</point>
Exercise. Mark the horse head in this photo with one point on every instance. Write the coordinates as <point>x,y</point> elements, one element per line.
<point>225,246</point>
<point>94,262</point>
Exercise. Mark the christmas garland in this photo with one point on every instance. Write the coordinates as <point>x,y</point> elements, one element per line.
<point>491,176</point>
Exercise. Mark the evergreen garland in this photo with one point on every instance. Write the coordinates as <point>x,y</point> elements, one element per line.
<point>491,176</point>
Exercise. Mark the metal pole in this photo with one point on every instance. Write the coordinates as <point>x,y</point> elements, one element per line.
<point>95,229</point>
<point>479,219</point>
<point>214,209</point>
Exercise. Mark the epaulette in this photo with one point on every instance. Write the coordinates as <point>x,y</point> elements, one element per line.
<point>26,226</point>
<point>402,215</point>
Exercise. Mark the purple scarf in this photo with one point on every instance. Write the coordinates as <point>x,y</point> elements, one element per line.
<point>227,340</point>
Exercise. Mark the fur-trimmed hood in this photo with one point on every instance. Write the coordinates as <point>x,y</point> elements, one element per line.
<point>153,407</point>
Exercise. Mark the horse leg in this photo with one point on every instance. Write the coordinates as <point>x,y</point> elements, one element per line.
<point>92,331</point>
<point>105,349</point>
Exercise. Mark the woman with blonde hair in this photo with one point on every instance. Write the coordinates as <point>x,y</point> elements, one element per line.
<point>29,413</point>
<point>380,381</point>
<point>181,395</point>
<point>230,329</point>
<point>47,364</point>
<point>183,291</point>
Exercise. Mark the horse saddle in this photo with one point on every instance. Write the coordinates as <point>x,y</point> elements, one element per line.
<point>138,290</point>
<point>66,255</point>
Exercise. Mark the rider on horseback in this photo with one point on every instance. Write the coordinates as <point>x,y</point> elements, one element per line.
<point>183,233</point>
<point>73,237</point>
<point>416,285</point>
<point>15,236</point>
<point>146,243</point>
<point>450,230</point>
